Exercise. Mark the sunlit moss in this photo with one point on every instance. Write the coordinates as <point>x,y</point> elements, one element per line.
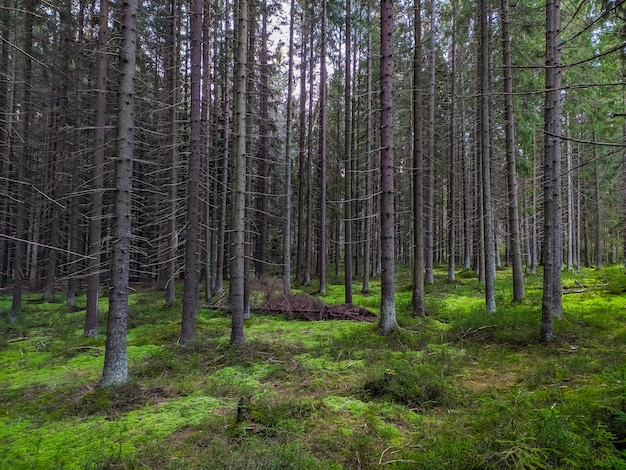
<point>58,444</point>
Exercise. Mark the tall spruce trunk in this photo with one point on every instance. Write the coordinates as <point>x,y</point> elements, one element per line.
<point>452,157</point>
<point>509,130</point>
<point>570,200</point>
<point>467,211</point>
<point>552,302</point>
<point>367,255</point>
<point>287,229</point>
<point>192,272</point>
<point>21,223</point>
<point>115,371</point>
<point>169,265</point>
<point>534,236</point>
<point>237,264</point>
<point>308,261</point>
<point>322,131</point>
<point>303,193</point>
<point>97,177</point>
<point>209,220</point>
<point>221,236</point>
<point>388,321</point>
<point>263,163</point>
<point>348,159</point>
<point>417,300</point>
<point>7,66</point>
<point>489,242</point>
<point>623,68</point>
<point>597,206</point>
<point>429,170</point>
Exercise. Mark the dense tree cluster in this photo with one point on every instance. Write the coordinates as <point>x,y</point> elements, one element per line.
<point>304,139</point>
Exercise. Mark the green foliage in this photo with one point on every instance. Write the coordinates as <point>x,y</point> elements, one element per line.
<point>457,389</point>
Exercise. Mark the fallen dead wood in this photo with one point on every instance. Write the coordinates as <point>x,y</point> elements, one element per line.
<point>299,306</point>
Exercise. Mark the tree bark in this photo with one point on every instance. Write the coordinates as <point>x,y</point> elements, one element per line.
<point>303,193</point>
<point>308,261</point>
<point>287,229</point>
<point>209,220</point>
<point>192,273</point>
<point>97,177</point>
<point>467,211</point>
<point>369,193</point>
<point>597,207</point>
<point>489,266</point>
<point>21,231</point>
<point>169,265</point>
<point>552,303</point>
<point>237,274</point>
<point>322,101</point>
<point>509,129</point>
<point>534,236</point>
<point>221,237</point>
<point>115,371</point>
<point>452,157</point>
<point>623,69</point>
<point>388,321</point>
<point>429,171</point>
<point>348,159</point>
<point>418,162</point>
<point>260,262</point>
<point>7,67</point>
<point>570,201</point>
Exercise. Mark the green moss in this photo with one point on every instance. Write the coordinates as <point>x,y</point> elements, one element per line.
<point>458,389</point>
<point>57,444</point>
<point>346,404</point>
<point>238,381</point>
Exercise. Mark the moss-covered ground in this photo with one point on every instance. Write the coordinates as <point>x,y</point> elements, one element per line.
<point>459,389</point>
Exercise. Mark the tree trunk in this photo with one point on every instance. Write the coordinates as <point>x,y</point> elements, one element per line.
<point>348,159</point>
<point>260,261</point>
<point>514,224</point>
<point>534,236</point>
<point>169,265</point>
<point>309,167</point>
<point>467,211</point>
<point>369,193</point>
<point>115,371</point>
<point>388,321</point>
<point>623,67</point>
<point>303,193</point>
<point>74,234</point>
<point>221,237</point>
<point>21,231</point>
<point>552,304</point>
<point>570,201</point>
<point>209,220</point>
<point>418,163</point>
<point>489,266</point>
<point>452,156</point>
<point>7,67</point>
<point>429,171</point>
<point>192,273</point>
<point>97,177</point>
<point>597,207</point>
<point>322,101</point>
<point>287,229</point>
<point>55,234</point>
<point>237,274</point>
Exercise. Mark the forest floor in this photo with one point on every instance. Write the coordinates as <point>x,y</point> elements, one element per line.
<point>458,389</point>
